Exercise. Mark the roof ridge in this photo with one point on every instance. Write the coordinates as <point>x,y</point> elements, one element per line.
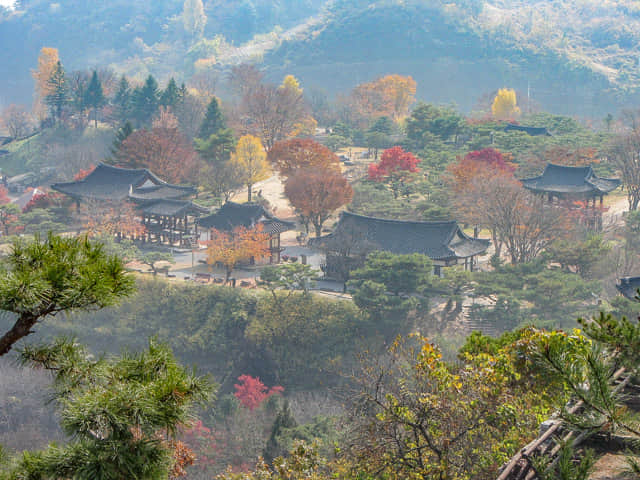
<point>397,220</point>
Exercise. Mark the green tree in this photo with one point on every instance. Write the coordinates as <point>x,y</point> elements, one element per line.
<point>121,135</point>
<point>43,278</point>
<point>217,147</point>
<point>213,120</point>
<point>145,100</point>
<point>58,88</point>
<point>117,411</point>
<point>284,420</point>
<point>170,95</point>
<point>427,120</point>
<point>152,258</point>
<point>418,416</point>
<point>122,101</point>
<point>388,286</point>
<point>288,276</point>
<point>94,96</point>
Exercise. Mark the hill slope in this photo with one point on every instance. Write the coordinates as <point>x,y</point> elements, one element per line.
<point>460,53</point>
<point>574,56</point>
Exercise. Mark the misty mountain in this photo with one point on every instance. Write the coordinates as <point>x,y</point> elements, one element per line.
<point>575,56</point>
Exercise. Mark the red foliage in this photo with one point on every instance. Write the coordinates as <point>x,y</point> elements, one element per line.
<point>165,151</point>
<point>204,442</point>
<point>4,196</point>
<point>252,392</point>
<point>393,160</point>
<point>491,158</point>
<point>82,174</point>
<point>46,200</point>
<point>316,194</point>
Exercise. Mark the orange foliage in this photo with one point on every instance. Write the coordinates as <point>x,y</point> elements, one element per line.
<point>484,163</point>
<point>101,217</point>
<point>4,196</point>
<point>389,96</point>
<point>83,173</point>
<point>289,156</point>
<point>316,195</point>
<point>230,248</point>
<point>47,61</point>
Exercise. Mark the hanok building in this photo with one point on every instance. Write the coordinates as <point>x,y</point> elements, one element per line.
<point>248,215</point>
<point>165,212</point>
<point>356,235</point>
<point>629,286</point>
<point>573,184</point>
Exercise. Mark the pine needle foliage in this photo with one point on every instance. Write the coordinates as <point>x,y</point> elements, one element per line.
<point>120,412</point>
<point>45,277</point>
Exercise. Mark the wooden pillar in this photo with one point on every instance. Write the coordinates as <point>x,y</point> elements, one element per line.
<point>601,200</point>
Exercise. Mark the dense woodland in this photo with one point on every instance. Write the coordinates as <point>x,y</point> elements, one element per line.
<point>411,371</point>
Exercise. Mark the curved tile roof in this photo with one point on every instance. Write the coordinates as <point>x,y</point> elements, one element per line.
<point>232,215</point>
<point>107,182</point>
<point>572,180</point>
<point>173,208</point>
<point>437,240</point>
<point>628,287</point>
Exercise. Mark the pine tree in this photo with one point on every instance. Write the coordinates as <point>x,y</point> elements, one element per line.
<point>122,100</point>
<point>145,101</point>
<point>274,447</point>
<point>121,414</point>
<point>42,278</point>
<point>171,95</point>
<point>94,96</point>
<point>213,120</point>
<point>121,135</point>
<point>58,89</point>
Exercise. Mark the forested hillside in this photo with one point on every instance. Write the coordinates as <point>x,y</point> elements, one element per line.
<point>457,51</point>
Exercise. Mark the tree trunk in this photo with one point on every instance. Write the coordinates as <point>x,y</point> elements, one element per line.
<point>249,192</point>
<point>20,329</point>
<point>95,117</point>
<point>318,228</point>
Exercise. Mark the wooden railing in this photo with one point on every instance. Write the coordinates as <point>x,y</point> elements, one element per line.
<point>549,443</point>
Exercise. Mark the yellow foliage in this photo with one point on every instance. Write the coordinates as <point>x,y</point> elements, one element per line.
<point>504,105</point>
<point>291,84</point>
<point>251,159</point>
<point>47,61</point>
<point>305,127</point>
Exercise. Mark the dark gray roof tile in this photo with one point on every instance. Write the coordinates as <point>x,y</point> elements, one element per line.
<point>573,180</point>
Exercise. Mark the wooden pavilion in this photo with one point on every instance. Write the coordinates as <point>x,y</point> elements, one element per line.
<point>166,213</point>
<point>560,183</point>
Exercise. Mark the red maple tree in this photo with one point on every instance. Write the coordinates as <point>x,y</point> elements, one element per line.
<point>316,195</point>
<point>251,392</point>
<point>395,169</point>
<point>165,151</point>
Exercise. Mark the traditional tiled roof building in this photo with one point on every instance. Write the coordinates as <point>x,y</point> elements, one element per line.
<point>166,213</point>
<point>232,215</point>
<point>110,183</point>
<point>571,182</point>
<point>629,286</point>
<point>571,186</point>
<point>443,242</point>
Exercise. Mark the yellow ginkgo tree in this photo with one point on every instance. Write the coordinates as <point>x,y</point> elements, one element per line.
<point>251,160</point>
<point>505,104</point>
